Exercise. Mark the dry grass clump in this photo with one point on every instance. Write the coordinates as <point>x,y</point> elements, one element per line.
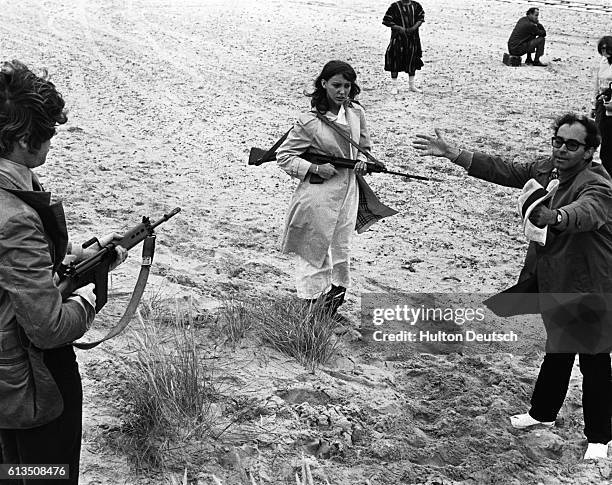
<point>236,319</point>
<point>302,331</point>
<point>170,387</point>
<point>170,384</point>
<point>305,332</point>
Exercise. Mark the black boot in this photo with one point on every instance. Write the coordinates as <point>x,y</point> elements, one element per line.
<point>334,298</point>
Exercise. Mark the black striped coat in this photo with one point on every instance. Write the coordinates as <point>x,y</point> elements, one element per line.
<point>404,52</point>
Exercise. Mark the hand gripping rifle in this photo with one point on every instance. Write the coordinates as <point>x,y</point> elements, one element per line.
<point>95,270</point>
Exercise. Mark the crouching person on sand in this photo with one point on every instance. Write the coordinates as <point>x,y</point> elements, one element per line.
<point>40,386</point>
<point>528,36</point>
<point>574,256</point>
<point>329,203</point>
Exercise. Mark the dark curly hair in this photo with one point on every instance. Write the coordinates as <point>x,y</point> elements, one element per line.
<point>30,107</point>
<point>605,44</point>
<point>319,96</point>
<point>593,138</point>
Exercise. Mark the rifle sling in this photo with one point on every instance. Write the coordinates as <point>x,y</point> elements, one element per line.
<point>271,153</point>
<point>359,148</point>
<point>148,249</point>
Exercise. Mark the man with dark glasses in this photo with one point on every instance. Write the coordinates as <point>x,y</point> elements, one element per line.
<point>575,260</point>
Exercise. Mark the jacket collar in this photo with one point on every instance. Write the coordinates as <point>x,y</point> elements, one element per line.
<point>352,128</point>
<point>16,176</point>
<point>21,181</point>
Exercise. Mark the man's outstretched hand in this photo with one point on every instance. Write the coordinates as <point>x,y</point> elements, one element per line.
<point>435,146</point>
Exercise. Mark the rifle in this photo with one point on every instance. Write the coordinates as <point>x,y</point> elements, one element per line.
<point>257,156</point>
<point>95,268</point>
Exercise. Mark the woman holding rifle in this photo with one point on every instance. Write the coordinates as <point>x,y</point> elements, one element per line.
<point>329,202</point>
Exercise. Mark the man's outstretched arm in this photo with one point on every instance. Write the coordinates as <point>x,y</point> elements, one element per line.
<point>478,164</point>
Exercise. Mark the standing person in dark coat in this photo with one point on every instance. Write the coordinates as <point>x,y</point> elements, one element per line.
<point>528,36</point>
<point>575,259</point>
<point>404,52</point>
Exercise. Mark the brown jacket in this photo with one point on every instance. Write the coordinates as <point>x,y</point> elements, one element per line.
<point>32,240</point>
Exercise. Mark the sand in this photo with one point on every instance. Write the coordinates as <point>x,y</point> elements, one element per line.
<point>167,97</point>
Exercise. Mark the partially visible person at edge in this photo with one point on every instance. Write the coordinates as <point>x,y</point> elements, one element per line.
<point>576,258</point>
<point>528,36</point>
<point>602,100</point>
<point>404,52</point>
<point>322,217</point>
<point>40,385</point>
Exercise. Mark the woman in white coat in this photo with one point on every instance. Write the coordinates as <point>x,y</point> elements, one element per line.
<point>322,216</point>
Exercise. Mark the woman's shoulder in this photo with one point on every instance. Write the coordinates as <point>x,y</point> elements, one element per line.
<point>307,117</point>
<point>308,121</point>
<point>356,107</point>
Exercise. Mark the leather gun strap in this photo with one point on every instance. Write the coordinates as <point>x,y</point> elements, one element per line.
<point>148,249</point>
<point>349,139</point>
<point>272,151</point>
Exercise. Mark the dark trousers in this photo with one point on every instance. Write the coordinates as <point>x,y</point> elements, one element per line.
<point>57,442</point>
<point>551,388</point>
<point>536,45</point>
<point>605,150</point>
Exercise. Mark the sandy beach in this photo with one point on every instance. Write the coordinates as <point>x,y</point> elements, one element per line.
<point>165,100</point>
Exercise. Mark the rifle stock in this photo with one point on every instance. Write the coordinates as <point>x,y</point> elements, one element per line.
<point>256,156</point>
<point>95,268</point>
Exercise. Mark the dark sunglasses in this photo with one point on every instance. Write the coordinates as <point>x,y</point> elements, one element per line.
<point>571,145</point>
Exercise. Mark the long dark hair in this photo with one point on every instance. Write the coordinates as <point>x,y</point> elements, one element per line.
<point>30,107</point>
<point>605,43</point>
<point>319,95</point>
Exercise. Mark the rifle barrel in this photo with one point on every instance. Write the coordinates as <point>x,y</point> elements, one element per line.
<point>165,217</point>
<point>407,175</point>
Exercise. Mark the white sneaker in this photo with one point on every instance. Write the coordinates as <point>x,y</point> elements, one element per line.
<point>596,451</point>
<point>522,421</point>
<point>394,90</point>
<point>414,89</point>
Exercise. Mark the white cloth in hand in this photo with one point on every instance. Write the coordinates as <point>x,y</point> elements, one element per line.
<point>533,195</point>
